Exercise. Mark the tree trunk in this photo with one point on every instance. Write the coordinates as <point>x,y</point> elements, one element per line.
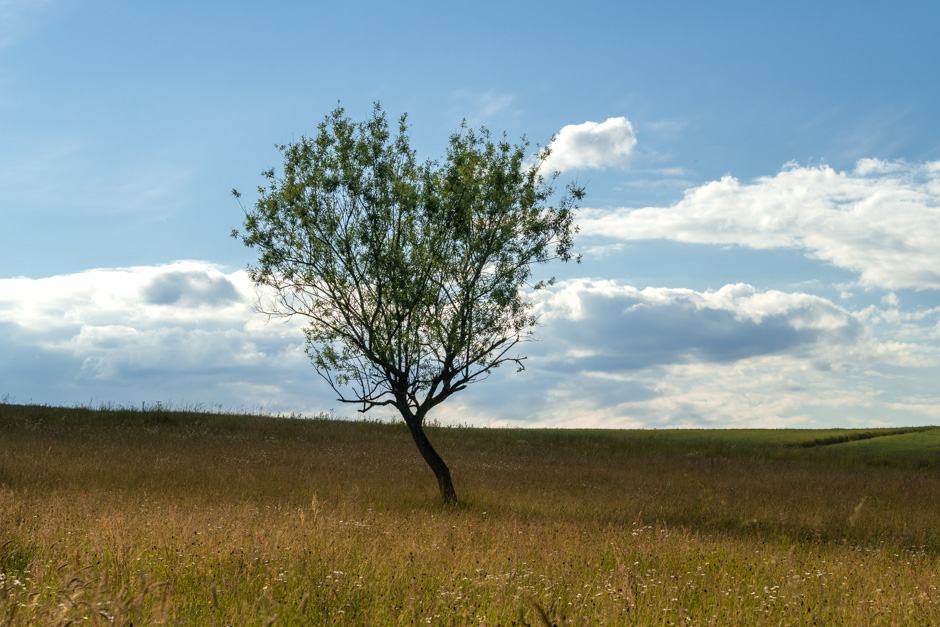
<point>441,471</point>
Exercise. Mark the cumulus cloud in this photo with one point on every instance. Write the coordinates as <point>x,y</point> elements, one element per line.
<point>613,355</point>
<point>192,288</point>
<point>606,327</point>
<point>132,296</point>
<point>592,145</point>
<point>184,331</point>
<point>881,220</point>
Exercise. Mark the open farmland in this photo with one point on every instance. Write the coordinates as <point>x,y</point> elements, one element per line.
<point>178,517</point>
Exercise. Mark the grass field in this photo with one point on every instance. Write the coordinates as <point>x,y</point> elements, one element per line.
<point>175,517</point>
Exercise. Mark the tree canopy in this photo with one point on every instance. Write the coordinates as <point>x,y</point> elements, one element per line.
<point>412,275</point>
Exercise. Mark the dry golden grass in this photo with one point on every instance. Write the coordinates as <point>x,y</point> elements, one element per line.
<point>163,517</point>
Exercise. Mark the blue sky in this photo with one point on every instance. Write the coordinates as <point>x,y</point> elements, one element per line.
<point>761,233</point>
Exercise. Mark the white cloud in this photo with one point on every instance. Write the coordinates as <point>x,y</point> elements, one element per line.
<point>891,299</point>
<point>603,326</point>
<point>603,251</point>
<point>614,355</point>
<point>881,220</point>
<point>129,296</point>
<point>156,333</point>
<point>592,145</point>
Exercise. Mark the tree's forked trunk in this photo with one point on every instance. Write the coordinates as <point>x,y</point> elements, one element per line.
<point>441,471</point>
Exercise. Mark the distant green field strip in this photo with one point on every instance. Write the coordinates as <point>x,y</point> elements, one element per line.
<point>868,434</point>
<point>911,441</point>
<point>699,441</point>
<point>741,439</point>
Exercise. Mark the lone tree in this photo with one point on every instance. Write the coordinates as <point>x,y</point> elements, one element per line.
<point>410,274</point>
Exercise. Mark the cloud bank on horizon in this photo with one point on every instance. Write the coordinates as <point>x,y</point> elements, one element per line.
<point>183,333</point>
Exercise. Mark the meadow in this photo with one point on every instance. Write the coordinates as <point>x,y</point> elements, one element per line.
<point>117,516</point>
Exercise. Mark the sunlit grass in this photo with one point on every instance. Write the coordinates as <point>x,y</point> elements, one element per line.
<point>181,517</point>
